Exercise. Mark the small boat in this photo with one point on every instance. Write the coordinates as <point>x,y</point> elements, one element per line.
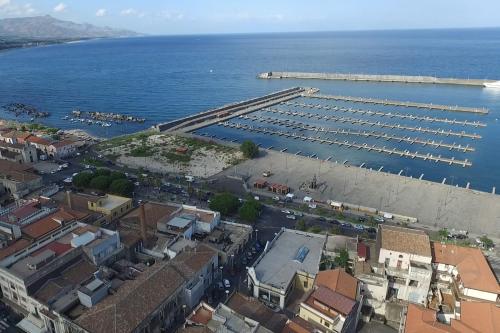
<point>493,85</point>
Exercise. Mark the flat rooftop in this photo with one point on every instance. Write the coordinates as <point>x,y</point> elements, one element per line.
<point>289,252</point>
<point>112,201</point>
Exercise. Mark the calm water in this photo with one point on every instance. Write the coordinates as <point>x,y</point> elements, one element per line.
<point>163,78</point>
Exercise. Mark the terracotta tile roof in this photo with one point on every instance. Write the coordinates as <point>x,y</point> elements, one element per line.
<point>21,212</point>
<point>339,281</point>
<point>48,224</point>
<point>404,240</point>
<point>63,143</point>
<point>202,315</point>
<point>420,319</point>
<point>16,171</point>
<point>38,140</point>
<point>154,213</point>
<point>298,325</point>
<point>134,301</point>
<point>333,300</point>
<point>14,247</point>
<point>253,309</point>
<point>471,264</point>
<point>363,250</point>
<point>202,216</point>
<point>482,317</point>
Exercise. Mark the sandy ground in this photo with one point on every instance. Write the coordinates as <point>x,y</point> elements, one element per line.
<point>432,203</point>
<point>205,160</point>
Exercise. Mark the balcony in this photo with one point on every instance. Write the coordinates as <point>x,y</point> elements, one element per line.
<point>397,272</point>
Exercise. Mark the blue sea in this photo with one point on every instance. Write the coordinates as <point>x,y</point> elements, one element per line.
<point>164,78</point>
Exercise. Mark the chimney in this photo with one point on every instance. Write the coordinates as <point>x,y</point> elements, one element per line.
<point>69,200</point>
<point>142,220</point>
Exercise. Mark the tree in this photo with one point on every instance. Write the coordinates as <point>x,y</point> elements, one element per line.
<point>122,187</point>
<point>342,258</point>
<point>100,183</point>
<point>487,243</point>
<point>102,172</point>
<point>443,233</point>
<point>117,175</point>
<point>249,149</point>
<point>224,203</point>
<point>82,179</point>
<point>335,230</point>
<point>250,210</point>
<point>301,225</point>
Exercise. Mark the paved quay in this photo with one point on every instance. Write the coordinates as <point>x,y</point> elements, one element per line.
<point>434,204</point>
<point>374,78</point>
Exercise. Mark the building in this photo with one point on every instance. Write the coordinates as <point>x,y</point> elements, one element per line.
<point>465,271</point>
<point>220,319</point>
<point>18,153</point>
<point>334,304</point>
<point>40,143</point>
<point>18,180</point>
<point>405,255</point>
<point>62,149</point>
<point>155,299</point>
<point>111,206</point>
<point>475,317</point>
<point>289,262</point>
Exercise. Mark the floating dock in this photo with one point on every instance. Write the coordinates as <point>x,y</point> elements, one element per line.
<point>210,117</point>
<point>366,134</point>
<point>387,114</point>
<point>357,121</point>
<point>375,78</point>
<point>386,102</point>
<point>353,145</point>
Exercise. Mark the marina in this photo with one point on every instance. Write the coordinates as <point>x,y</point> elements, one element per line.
<point>443,132</point>
<point>387,114</point>
<point>418,79</point>
<point>377,135</point>
<point>353,145</point>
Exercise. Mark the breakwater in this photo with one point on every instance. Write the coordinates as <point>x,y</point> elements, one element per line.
<point>207,118</point>
<point>375,78</point>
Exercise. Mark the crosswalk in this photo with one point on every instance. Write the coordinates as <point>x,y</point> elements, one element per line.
<point>3,325</point>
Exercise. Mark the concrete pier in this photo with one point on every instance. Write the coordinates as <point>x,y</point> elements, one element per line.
<point>375,78</point>
<point>387,114</point>
<point>424,106</point>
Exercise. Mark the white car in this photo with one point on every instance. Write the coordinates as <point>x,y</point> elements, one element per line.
<point>68,180</point>
<point>227,284</point>
<point>290,217</point>
<point>286,211</point>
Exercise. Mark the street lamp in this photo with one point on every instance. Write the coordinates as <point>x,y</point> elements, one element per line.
<point>256,236</point>
<point>227,295</point>
<point>221,267</point>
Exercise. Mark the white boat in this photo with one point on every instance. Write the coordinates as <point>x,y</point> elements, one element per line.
<point>495,84</point>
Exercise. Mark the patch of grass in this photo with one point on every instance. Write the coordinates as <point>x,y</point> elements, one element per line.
<point>174,157</point>
<point>142,151</point>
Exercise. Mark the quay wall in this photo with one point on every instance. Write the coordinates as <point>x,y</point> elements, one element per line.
<point>374,78</point>
<point>226,109</point>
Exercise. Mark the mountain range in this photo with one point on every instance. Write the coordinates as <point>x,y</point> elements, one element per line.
<point>46,28</point>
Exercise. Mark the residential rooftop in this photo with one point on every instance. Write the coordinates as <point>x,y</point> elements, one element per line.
<point>474,270</point>
<point>324,296</point>
<point>339,281</point>
<point>289,252</point>
<point>404,240</point>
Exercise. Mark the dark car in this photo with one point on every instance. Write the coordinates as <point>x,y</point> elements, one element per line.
<point>335,222</point>
<point>361,219</point>
<point>371,230</point>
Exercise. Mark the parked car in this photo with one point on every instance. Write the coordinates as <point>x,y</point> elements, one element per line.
<point>290,217</point>
<point>361,219</point>
<point>276,198</point>
<point>286,211</point>
<point>379,219</point>
<point>227,284</point>
<point>220,285</point>
<point>358,227</point>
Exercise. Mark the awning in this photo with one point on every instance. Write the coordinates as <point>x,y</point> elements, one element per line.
<point>336,204</point>
<point>30,326</point>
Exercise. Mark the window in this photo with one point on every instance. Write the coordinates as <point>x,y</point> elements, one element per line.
<point>306,284</point>
<point>413,283</point>
<point>327,324</point>
<point>400,256</point>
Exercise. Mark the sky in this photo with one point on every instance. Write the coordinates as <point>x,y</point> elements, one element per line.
<point>246,16</point>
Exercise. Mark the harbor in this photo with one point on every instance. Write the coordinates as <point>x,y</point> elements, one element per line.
<point>378,135</point>
<point>375,78</point>
<point>353,145</point>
